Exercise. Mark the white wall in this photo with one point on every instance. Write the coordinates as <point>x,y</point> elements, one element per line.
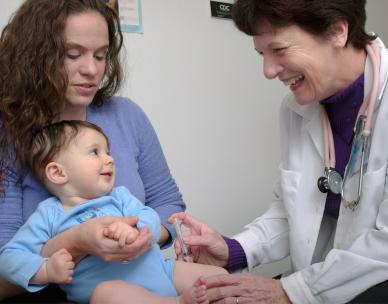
<point>377,18</point>
<point>199,79</point>
<point>200,82</point>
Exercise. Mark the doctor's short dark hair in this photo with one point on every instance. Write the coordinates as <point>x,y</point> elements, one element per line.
<point>50,140</point>
<point>313,16</point>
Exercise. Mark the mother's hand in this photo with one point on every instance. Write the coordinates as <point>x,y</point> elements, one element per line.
<point>88,238</point>
<point>97,244</point>
<point>246,288</point>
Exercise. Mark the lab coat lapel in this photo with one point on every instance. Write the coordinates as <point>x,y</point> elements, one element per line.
<point>309,202</point>
<point>312,123</point>
<point>380,47</point>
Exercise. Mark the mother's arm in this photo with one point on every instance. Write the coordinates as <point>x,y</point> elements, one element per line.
<point>9,290</point>
<point>11,218</point>
<point>164,236</point>
<point>88,239</point>
<point>161,192</point>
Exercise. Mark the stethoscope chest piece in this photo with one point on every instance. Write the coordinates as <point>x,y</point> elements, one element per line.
<point>331,180</point>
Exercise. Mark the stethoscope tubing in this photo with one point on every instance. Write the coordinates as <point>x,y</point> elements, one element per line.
<point>367,110</point>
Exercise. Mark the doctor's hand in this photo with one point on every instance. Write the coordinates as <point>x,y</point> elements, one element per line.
<point>245,288</point>
<point>206,245</point>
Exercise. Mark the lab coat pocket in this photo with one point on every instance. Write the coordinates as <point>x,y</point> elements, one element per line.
<point>382,217</point>
<point>373,187</point>
<point>289,183</point>
<point>354,222</point>
<point>382,201</point>
<point>372,196</point>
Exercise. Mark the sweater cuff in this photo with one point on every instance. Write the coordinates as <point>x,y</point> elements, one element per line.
<point>237,258</point>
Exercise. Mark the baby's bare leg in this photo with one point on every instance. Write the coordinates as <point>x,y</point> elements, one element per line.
<point>186,280</point>
<point>186,274</point>
<point>121,292</point>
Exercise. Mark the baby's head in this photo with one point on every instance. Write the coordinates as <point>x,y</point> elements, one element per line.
<point>71,158</point>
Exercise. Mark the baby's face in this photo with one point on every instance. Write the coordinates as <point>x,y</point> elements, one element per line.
<point>88,165</point>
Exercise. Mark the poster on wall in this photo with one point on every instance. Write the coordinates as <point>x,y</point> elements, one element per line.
<point>114,4</point>
<point>130,16</point>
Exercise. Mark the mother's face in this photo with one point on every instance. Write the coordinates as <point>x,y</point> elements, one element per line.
<point>304,62</point>
<point>87,42</point>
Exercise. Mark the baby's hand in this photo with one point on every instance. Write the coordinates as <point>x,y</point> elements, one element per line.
<point>121,232</point>
<point>60,267</point>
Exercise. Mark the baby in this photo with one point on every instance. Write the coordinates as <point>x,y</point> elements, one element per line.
<point>72,159</point>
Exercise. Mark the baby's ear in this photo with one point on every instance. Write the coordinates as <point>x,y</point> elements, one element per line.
<point>56,173</point>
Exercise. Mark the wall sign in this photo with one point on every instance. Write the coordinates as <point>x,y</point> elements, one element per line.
<point>221,9</point>
<point>129,12</point>
<point>130,16</point>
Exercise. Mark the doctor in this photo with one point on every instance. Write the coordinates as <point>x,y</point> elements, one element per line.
<point>336,234</point>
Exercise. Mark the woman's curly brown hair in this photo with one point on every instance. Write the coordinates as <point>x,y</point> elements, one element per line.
<point>33,79</point>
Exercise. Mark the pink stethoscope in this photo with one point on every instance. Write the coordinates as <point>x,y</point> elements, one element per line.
<point>332,180</point>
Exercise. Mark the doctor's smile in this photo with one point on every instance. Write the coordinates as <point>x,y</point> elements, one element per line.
<point>294,83</point>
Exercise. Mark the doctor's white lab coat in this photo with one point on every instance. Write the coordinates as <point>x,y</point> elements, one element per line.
<point>332,261</point>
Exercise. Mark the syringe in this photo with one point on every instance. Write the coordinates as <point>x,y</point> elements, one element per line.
<point>177,225</point>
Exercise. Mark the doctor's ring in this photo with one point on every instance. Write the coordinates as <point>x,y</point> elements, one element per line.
<point>124,262</point>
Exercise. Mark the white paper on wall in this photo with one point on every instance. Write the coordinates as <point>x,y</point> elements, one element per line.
<point>130,16</point>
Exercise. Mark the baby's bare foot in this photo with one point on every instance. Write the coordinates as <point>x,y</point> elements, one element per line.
<point>195,295</point>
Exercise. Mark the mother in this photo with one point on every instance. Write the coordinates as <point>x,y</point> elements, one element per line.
<point>338,244</point>
<point>59,59</point>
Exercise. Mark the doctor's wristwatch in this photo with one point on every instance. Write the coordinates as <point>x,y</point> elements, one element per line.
<point>331,181</point>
